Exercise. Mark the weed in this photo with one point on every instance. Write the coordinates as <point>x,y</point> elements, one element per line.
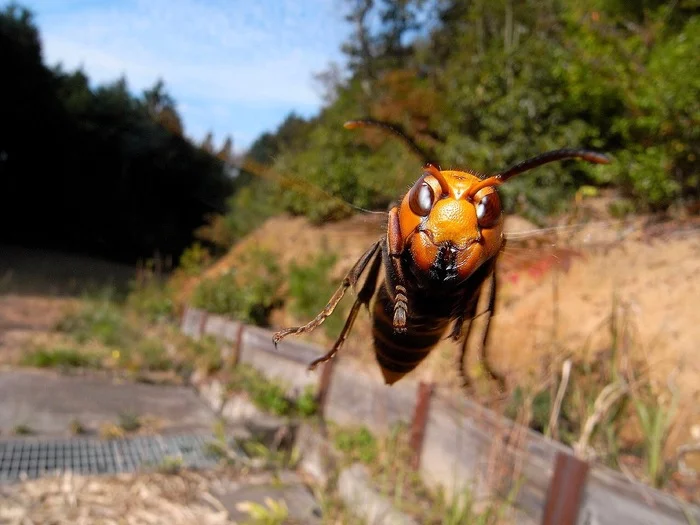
<point>110,431</point>
<point>219,446</point>
<point>248,293</point>
<point>465,507</point>
<point>152,298</point>
<point>206,354</point>
<point>170,465</point>
<point>309,287</point>
<point>541,407</point>
<point>129,421</point>
<point>357,444</point>
<point>102,321</point>
<point>76,428</point>
<point>269,457</point>
<point>60,358</point>
<point>194,259</point>
<point>307,402</point>
<point>265,394</point>
<point>274,512</point>
<point>152,355</point>
<point>333,508</point>
<point>655,417</point>
<point>23,430</point>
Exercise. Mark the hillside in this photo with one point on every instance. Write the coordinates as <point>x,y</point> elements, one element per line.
<point>559,288</point>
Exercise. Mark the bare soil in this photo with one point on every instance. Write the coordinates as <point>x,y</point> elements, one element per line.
<point>560,287</point>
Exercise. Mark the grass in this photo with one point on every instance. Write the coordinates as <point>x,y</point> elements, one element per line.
<point>464,507</point>
<point>388,461</point>
<point>311,286</point>
<point>23,430</point>
<point>105,334</point>
<point>152,298</point>
<point>357,444</point>
<point>76,428</point>
<point>269,395</point>
<point>248,292</point>
<point>655,418</point>
<point>273,512</point>
<point>60,358</point>
<point>609,411</point>
<point>170,465</point>
<point>102,321</point>
<point>205,354</point>
<point>129,421</point>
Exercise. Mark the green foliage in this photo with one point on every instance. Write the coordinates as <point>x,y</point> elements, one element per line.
<point>541,407</point>
<point>465,507</point>
<point>357,444</point>
<point>273,512</point>
<point>248,292</point>
<point>129,421</point>
<point>484,85</point>
<point>170,465</point>
<point>206,354</point>
<point>152,355</point>
<point>307,402</point>
<point>310,287</point>
<point>151,296</point>
<point>102,321</point>
<point>655,419</point>
<point>249,207</point>
<point>194,259</point>
<point>23,430</point>
<point>131,184</point>
<point>60,358</point>
<point>267,395</point>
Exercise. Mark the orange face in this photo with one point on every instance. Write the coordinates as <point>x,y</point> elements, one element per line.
<point>446,215</point>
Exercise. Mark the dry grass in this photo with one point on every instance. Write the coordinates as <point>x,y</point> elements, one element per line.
<point>124,499</point>
<point>543,316</point>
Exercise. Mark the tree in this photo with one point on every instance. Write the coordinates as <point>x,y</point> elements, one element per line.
<point>95,170</point>
<point>161,107</point>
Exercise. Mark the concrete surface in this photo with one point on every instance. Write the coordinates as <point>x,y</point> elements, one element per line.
<point>356,491</point>
<point>47,402</point>
<point>300,502</point>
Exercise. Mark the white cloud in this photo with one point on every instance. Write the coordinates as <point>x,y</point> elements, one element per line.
<point>232,54</point>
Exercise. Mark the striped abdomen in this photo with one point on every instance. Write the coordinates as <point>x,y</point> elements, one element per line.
<point>399,353</point>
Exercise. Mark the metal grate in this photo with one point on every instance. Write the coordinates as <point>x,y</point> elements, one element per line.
<point>34,458</point>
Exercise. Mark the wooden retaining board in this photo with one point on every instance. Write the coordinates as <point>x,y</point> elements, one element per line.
<point>464,441</point>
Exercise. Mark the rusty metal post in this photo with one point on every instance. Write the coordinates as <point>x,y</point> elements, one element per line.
<point>236,346</point>
<point>183,316</point>
<point>420,419</point>
<point>565,490</point>
<point>202,323</point>
<point>324,386</point>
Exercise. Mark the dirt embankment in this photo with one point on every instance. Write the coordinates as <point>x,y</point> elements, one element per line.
<point>559,289</point>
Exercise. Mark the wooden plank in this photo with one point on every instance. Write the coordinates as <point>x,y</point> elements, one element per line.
<point>462,439</point>
<point>192,321</point>
<point>221,327</point>
<point>356,398</point>
<point>258,351</point>
<point>260,340</point>
<point>609,497</point>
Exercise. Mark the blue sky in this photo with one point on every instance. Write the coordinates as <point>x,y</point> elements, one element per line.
<point>235,67</point>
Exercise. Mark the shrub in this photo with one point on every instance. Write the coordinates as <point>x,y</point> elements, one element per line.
<point>248,292</point>
<point>310,287</point>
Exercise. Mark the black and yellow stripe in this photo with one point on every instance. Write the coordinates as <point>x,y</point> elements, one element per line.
<point>399,353</point>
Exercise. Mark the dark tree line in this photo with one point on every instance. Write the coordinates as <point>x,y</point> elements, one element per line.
<point>97,170</point>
